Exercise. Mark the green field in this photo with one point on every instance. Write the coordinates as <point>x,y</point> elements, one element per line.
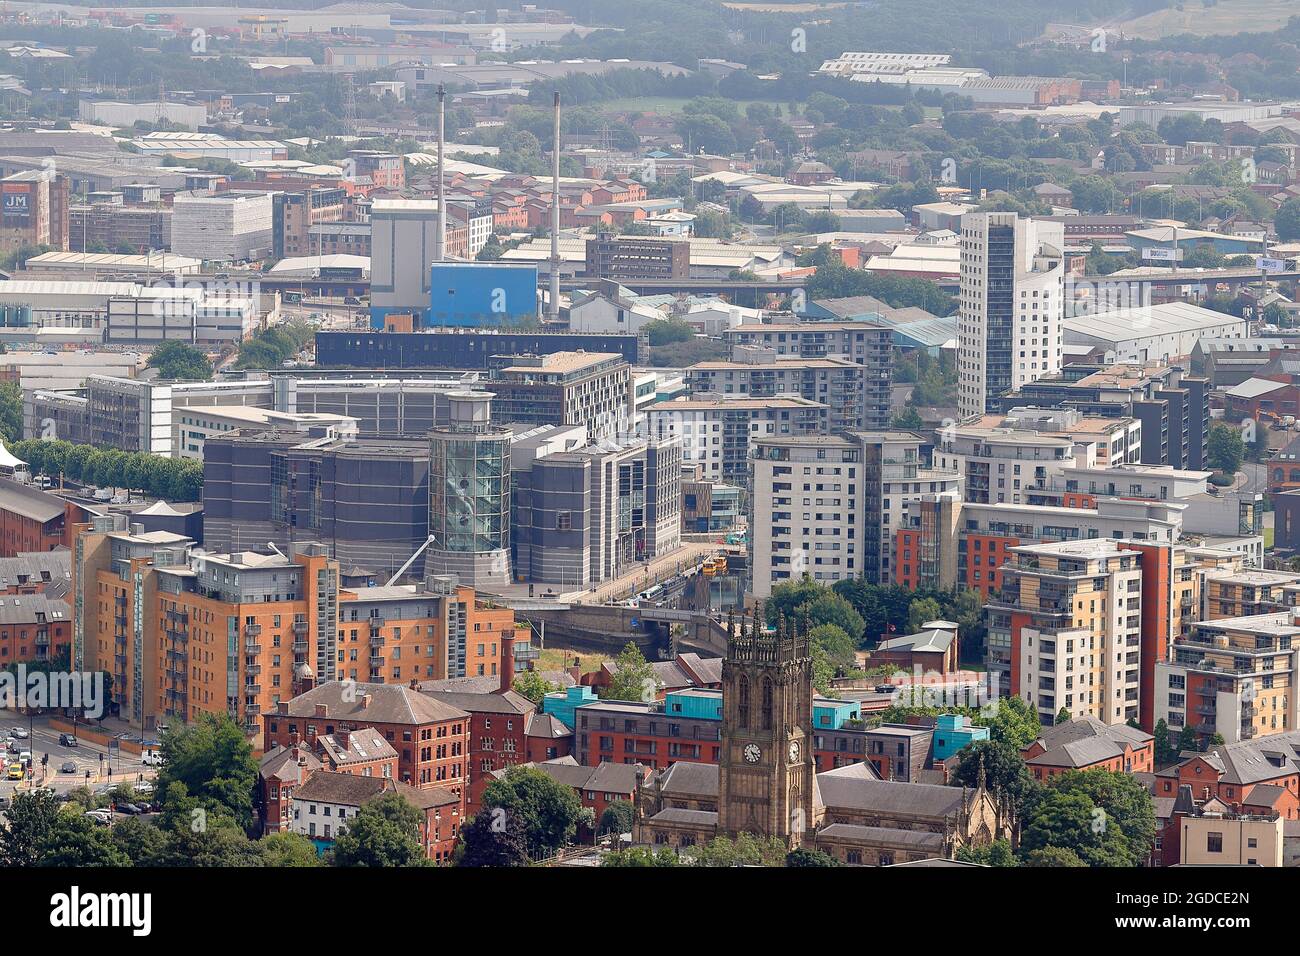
<point>1225,17</point>
<point>660,104</point>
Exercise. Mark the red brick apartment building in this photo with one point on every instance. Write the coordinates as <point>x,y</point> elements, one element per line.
<point>505,728</point>
<point>1088,744</point>
<point>431,738</point>
<point>32,520</point>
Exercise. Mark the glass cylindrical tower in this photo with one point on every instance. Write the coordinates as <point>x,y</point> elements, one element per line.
<point>469,494</point>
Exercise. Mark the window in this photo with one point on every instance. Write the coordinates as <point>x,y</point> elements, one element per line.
<point>1214,843</point>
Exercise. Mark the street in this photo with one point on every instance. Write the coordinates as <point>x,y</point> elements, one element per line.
<point>45,740</point>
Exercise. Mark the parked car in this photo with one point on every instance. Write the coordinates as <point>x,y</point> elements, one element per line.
<point>144,786</point>
<point>67,767</point>
<point>67,740</point>
<point>101,816</point>
<point>130,809</point>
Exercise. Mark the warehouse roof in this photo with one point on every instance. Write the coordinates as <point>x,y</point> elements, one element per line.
<point>1146,321</point>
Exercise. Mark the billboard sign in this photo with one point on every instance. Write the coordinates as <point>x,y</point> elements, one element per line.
<point>16,204</point>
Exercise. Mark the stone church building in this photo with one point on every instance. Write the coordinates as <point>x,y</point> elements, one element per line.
<point>765,782</point>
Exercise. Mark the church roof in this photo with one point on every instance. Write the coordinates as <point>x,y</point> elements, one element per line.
<point>883,836</point>
<point>887,796</point>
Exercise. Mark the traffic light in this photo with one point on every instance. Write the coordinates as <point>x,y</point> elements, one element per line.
<point>45,760</point>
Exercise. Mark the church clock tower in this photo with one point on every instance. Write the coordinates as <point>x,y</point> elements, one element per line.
<point>765,776</point>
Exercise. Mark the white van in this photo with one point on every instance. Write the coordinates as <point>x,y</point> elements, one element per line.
<point>152,758</point>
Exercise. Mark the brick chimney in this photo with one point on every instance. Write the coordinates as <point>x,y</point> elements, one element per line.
<point>343,738</point>
<point>507,660</point>
<point>365,701</point>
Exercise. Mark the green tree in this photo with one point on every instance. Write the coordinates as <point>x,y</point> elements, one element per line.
<point>29,822</point>
<point>1053,856</point>
<point>997,853</point>
<point>1164,750</point>
<point>1286,221</point>
<point>835,642</point>
<point>1125,801</point>
<point>640,856</point>
<point>745,850</point>
<point>140,840</point>
<point>11,413</point>
<point>288,849</point>
<point>1072,821</point>
<point>1003,768</point>
<point>1014,722</point>
<point>549,810</point>
<point>492,840</point>
<point>75,840</point>
<point>213,761</point>
<point>384,833</point>
<point>633,678</point>
<point>1226,448</point>
<point>803,857</point>
<point>920,611</point>
<point>616,818</point>
<point>1063,716</point>
<point>533,686</point>
<point>177,360</point>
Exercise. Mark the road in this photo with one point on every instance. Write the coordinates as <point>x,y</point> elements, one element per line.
<point>45,741</point>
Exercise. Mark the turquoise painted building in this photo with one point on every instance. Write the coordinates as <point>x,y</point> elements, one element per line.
<point>702,704</point>
<point>831,714</point>
<point>952,732</point>
<point>561,704</point>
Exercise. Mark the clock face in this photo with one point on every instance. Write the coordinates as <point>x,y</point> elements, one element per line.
<point>752,753</point>
<point>794,751</point>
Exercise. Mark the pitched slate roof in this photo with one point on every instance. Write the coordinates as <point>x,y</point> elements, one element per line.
<point>1254,761</point>
<point>281,763</point>
<point>363,745</point>
<point>1085,741</point>
<point>855,792</point>
<point>372,704</point>
<point>887,836</point>
<point>685,779</point>
<point>511,702</point>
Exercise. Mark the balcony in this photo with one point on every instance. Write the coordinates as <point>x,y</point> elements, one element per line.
<point>252,630</point>
<point>375,624</point>
<point>376,660</point>
<point>376,641</point>
<point>252,647</point>
<point>300,647</point>
<point>252,689</point>
<point>300,627</point>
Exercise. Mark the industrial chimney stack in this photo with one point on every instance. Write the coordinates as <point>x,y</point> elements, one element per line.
<point>553,304</point>
<point>440,242</point>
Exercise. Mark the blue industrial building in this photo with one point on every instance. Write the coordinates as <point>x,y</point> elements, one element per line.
<point>482,294</point>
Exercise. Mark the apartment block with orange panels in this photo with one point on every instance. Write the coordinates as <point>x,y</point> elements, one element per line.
<point>1070,616</point>
<point>434,630</point>
<point>1249,591</point>
<point>185,633</point>
<point>1233,677</point>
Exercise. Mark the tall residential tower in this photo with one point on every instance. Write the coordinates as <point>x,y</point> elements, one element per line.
<point>1012,305</point>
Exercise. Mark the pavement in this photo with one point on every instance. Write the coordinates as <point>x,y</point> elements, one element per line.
<point>44,740</point>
